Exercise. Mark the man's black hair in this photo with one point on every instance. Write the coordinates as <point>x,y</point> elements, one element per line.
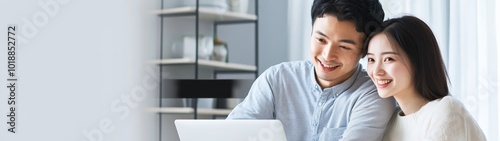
<point>366,14</point>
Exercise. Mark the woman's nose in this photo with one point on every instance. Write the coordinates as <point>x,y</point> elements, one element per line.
<point>379,71</point>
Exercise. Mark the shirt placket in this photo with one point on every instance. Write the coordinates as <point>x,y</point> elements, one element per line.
<point>317,114</point>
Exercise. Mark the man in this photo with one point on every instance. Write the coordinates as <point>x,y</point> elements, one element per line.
<point>329,97</point>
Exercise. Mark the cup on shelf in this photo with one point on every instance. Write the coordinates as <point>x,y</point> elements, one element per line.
<point>240,6</point>
<point>188,45</point>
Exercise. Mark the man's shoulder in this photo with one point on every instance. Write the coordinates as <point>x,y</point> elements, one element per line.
<point>364,79</point>
<point>363,84</point>
<point>294,67</point>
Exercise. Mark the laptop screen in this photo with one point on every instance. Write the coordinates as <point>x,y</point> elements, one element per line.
<point>230,130</point>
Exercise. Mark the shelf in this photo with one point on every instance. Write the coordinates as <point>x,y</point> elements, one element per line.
<point>208,14</point>
<point>188,110</point>
<point>208,63</point>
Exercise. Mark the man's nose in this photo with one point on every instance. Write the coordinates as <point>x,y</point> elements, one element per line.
<point>329,53</point>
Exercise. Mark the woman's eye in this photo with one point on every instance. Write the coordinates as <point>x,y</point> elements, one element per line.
<point>371,60</point>
<point>388,59</point>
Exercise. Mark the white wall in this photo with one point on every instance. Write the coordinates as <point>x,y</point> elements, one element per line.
<point>82,69</point>
<point>273,33</point>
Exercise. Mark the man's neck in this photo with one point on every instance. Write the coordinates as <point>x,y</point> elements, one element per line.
<point>327,84</point>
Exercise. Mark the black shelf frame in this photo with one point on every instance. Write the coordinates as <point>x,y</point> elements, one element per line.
<point>194,101</point>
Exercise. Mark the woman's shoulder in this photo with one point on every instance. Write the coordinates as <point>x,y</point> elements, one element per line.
<point>450,100</point>
<point>446,111</point>
<point>448,105</point>
<point>452,120</point>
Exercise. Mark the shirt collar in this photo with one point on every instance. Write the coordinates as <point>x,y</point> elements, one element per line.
<point>339,88</point>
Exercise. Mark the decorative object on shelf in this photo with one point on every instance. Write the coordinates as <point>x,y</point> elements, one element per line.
<point>240,6</point>
<point>218,5</point>
<point>177,49</point>
<point>187,47</point>
<point>220,50</point>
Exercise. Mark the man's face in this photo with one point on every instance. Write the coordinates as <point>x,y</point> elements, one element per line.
<point>335,50</point>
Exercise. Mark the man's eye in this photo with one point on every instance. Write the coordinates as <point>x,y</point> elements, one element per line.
<point>321,40</point>
<point>344,47</point>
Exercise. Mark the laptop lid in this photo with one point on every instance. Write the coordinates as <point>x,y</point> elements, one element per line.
<point>230,130</point>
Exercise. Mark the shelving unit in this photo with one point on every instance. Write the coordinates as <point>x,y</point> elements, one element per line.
<point>217,18</point>
<point>216,65</point>
<point>189,110</point>
<point>207,14</point>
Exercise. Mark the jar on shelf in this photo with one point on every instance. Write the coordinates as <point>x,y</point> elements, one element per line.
<point>220,51</point>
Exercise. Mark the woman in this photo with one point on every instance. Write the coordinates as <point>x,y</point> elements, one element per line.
<point>404,62</point>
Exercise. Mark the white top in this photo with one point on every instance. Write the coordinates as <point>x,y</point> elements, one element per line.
<point>439,120</point>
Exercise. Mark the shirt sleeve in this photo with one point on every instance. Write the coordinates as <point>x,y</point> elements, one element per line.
<point>259,103</point>
<point>369,118</point>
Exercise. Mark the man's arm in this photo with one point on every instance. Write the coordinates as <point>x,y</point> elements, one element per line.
<point>259,103</point>
<point>369,118</point>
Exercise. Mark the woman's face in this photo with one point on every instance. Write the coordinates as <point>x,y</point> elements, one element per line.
<point>389,67</point>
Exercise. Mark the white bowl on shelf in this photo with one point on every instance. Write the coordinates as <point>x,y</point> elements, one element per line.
<point>219,5</point>
<point>240,6</point>
<point>187,47</point>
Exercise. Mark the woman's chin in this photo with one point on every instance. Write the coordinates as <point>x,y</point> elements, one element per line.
<point>384,95</point>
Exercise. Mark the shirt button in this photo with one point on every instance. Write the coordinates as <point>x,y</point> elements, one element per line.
<point>315,124</point>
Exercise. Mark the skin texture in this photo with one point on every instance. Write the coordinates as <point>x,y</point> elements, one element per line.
<point>335,50</point>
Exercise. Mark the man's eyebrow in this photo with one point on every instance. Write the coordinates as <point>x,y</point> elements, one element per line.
<point>321,33</point>
<point>349,41</point>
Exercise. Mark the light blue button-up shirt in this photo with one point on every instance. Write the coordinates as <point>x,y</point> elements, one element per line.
<point>290,93</point>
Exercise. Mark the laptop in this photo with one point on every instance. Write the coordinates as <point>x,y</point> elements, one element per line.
<point>230,130</point>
